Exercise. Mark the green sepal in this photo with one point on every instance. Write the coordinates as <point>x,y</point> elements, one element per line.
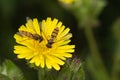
<point>10,71</point>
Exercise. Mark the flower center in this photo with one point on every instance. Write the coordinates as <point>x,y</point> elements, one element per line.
<point>41,48</point>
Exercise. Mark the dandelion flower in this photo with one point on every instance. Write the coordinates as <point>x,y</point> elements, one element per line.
<point>44,44</point>
<point>67,1</point>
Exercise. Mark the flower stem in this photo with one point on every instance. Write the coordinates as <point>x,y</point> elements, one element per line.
<point>95,55</point>
<point>41,74</point>
<point>116,56</point>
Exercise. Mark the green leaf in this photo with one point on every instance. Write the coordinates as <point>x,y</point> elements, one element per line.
<point>10,70</point>
<point>3,77</point>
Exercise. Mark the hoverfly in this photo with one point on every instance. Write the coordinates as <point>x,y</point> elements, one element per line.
<point>30,35</point>
<point>52,38</point>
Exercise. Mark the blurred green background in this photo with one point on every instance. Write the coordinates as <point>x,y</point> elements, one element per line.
<point>13,13</point>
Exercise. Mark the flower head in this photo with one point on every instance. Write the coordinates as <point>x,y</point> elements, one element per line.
<point>67,1</point>
<point>44,43</point>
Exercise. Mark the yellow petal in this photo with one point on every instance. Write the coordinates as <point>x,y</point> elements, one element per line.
<point>59,24</point>
<point>59,56</point>
<point>61,43</point>
<point>61,29</point>
<point>30,26</point>
<point>56,66</point>
<point>55,59</point>
<point>42,61</point>
<point>36,26</point>
<point>48,64</point>
<point>52,26</point>
<point>23,28</point>
<point>65,50</point>
<point>20,56</point>
<point>37,61</point>
<point>33,60</point>
<point>65,32</point>
<point>66,47</point>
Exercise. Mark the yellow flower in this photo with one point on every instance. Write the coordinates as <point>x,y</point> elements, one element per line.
<point>67,1</point>
<point>44,43</point>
